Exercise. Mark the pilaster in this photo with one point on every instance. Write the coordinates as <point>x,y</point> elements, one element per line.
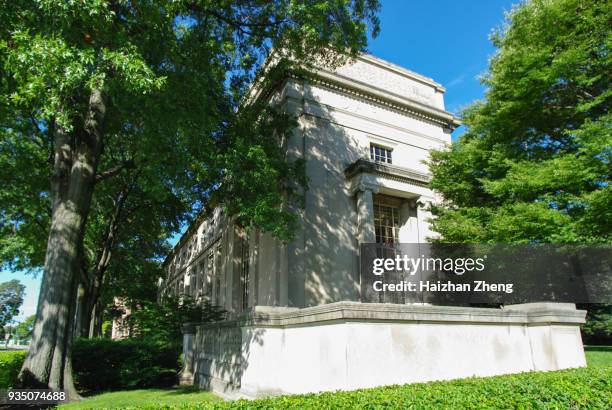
<point>365,213</point>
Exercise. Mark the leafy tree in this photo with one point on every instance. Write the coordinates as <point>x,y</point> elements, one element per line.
<point>153,87</point>
<point>23,330</point>
<point>128,216</point>
<point>534,163</point>
<point>127,213</point>
<point>162,322</point>
<point>126,235</point>
<point>11,299</point>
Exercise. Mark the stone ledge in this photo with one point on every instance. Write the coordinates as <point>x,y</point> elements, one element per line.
<point>388,171</point>
<point>527,314</point>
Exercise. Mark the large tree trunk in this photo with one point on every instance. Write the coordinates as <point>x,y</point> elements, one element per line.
<point>48,363</point>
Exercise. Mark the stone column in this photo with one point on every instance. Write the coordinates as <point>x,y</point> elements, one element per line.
<point>365,214</point>
<point>186,376</point>
<point>423,215</point>
<point>408,221</point>
<point>365,234</point>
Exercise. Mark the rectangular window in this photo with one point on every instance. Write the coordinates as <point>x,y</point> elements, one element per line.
<point>380,154</point>
<point>386,222</point>
<point>200,281</point>
<point>187,286</point>
<point>218,275</point>
<point>244,272</point>
<point>209,276</point>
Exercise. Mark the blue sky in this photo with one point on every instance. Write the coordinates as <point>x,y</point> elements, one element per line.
<point>443,39</point>
<point>447,40</point>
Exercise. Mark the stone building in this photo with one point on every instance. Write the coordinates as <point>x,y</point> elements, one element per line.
<point>299,322</point>
<point>365,131</point>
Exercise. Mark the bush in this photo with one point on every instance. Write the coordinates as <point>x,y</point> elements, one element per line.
<point>567,389</point>
<point>576,388</point>
<point>162,322</point>
<point>10,365</point>
<point>598,327</point>
<point>103,364</point>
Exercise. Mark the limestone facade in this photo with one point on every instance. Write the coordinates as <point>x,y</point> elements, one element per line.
<point>365,131</point>
<point>298,320</point>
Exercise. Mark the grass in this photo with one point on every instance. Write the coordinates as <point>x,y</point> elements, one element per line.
<point>576,388</point>
<point>598,355</point>
<point>143,398</point>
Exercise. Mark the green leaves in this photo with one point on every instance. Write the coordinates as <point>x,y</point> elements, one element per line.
<point>173,75</point>
<point>161,322</point>
<point>576,388</point>
<point>534,164</point>
<point>11,299</point>
<point>260,187</point>
<point>10,364</point>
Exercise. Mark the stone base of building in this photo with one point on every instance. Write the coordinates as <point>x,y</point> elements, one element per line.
<point>351,345</point>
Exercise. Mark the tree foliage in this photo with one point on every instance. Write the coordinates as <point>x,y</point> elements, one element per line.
<point>115,100</point>
<point>534,163</point>
<point>162,322</point>
<point>11,299</point>
<point>23,330</point>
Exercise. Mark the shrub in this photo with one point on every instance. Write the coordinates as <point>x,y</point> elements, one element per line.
<point>598,327</point>
<point>10,364</point>
<point>566,389</point>
<point>103,364</point>
<point>163,321</point>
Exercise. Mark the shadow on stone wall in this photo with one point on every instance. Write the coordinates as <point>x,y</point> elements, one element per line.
<point>323,259</point>
<point>221,354</point>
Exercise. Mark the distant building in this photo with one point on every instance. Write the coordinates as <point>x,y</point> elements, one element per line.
<point>120,326</point>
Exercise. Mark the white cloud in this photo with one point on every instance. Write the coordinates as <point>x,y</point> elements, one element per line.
<point>455,81</point>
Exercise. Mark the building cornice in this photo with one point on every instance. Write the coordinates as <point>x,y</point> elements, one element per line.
<point>383,98</point>
<point>530,314</point>
<point>393,172</point>
<point>189,232</point>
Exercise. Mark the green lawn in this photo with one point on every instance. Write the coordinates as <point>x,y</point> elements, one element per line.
<point>144,398</point>
<point>599,355</point>
<point>576,388</point>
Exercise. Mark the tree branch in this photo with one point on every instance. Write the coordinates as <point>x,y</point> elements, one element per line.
<point>109,173</point>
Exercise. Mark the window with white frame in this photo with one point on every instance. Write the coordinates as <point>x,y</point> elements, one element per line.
<point>380,154</point>
<point>386,221</point>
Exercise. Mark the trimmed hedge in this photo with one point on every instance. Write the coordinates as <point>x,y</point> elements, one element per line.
<point>104,364</point>
<point>576,388</point>
<point>10,365</point>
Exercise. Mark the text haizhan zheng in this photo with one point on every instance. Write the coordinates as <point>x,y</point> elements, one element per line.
<point>439,286</point>
<point>456,265</point>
